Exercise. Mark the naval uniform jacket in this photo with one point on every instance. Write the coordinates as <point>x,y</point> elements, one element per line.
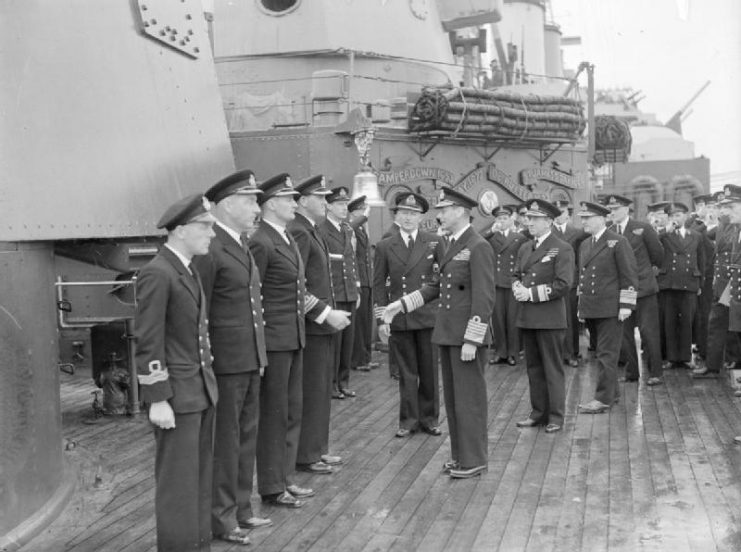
<point>505,252</point>
<point>173,354</point>
<point>397,271</point>
<point>315,257</point>
<point>547,272</point>
<point>734,311</point>
<point>648,252</point>
<point>231,283</point>
<point>466,292</point>
<point>574,237</point>
<point>342,261</point>
<point>684,261</point>
<point>363,261</point>
<point>608,276</point>
<point>284,296</point>
<point>726,236</point>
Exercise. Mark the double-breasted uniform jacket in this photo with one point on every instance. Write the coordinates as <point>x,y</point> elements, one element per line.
<point>648,252</point>
<point>726,236</point>
<point>363,261</point>
<point>684,261</point>
<point>173,353</point>
<point>315,256</point>
<point>231,283</point>
<point>284,296</point>
<point>608,277</point>
<point>547,272</point>
<point>734,266</point>
<point>574,237</point>
<point>342,260</point>
<point>505,254</point>
<point>466,292</point>
<point>397,271</point>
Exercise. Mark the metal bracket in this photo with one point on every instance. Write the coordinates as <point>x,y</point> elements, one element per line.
<point>484,156</point>
<point>548,154</point>
<point>419,150</point>
<point>171,23</point>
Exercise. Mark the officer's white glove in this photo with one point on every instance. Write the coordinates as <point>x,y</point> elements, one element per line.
<point>391,310</point>
<point>468,352</point>
<point>338,319</point>
<point>161,415</point>
<point>624,314</point>
<point>384,332</point>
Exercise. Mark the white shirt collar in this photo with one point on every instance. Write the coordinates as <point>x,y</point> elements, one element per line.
<point>337,225</point>
<point>406,236</point>
<point>280,229</point>
<point>460,232</point>
<point>183,259</point>
<point>541,239</point>
<point>233,233</point>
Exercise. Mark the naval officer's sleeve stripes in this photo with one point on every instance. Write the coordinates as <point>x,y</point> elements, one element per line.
<point>378,312</point>
<point>412,301</point>
<point>310,302</point>
<point>475,330</point>
<point>628,296</point>
<point>157,373</point>
<point>542,293</point>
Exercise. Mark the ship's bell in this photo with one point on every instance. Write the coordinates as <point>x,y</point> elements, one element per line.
<point>365,183</point>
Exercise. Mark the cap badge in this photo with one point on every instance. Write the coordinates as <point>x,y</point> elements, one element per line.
<point>206,204</point>
<point>321,183</point>
<point>251,180</point>
<point>410,201</point>
<point>342,193</point>
<point>727,191</point>
<point>289,184</point>
<point>441,195</point>
<point>534,207</point>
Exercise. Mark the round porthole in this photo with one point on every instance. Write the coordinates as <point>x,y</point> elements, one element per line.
<point>278,7</point>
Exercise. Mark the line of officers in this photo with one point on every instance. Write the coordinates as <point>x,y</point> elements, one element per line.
<point>243,343</point>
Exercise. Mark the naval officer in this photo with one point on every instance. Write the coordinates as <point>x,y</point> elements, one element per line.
<point>313,447</point>
<point>177,382</point>
<point>506,242</point>
<point>231,284</point>
<point>608,280</point>
<point>406,261</point>
<point>466,292</point>
<point>540,283</point>
<point>286,303</point>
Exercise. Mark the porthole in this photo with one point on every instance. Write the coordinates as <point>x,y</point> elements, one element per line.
<point>278,7</point>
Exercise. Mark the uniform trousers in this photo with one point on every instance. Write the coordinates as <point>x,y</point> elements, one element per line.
<point>183,470</point>
<point>281,398</point>
<point>609,336</point>
<point>317,388</point>
<point>235,444</point>
<point>646,317</point>
<point>344,340</point>
<point>700,320</point>
<point>679,309</point>
<point>544,361</point>
<point>506,335</point>
<point>723,345</point>
<point>464,391</point>
<point>363,334</point>
<point>571,336</point>
<point>662,317</point>
<point>416,357</point>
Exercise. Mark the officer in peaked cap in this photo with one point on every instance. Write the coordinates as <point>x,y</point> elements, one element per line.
<point>506,242</point>
<point>313,447</point>
<point>608,281</point>
<point>722,343</point>
<point>649,254</point>
<point>404,261</point>
<point>521,220</point>
<point>279,185</point>
<point>466,292</point>
<point>231,282</point>
<point>658,214</point>
<point>363,335</point>
<point>287,306</point>
<point>171,330</point>
<point>542,281</point>
<point>680,281</point>
<point>411,202</point>
<point>339,236</point>
<point>573,235</point>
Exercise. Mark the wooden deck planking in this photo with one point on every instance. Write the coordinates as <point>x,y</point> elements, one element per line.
<point>659,472</point>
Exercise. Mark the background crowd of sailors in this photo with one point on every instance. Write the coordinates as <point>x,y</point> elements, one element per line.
<point>263,300</point>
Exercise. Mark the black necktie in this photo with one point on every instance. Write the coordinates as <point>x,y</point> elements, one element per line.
<point>594,241</point>
<point>410,243</point>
